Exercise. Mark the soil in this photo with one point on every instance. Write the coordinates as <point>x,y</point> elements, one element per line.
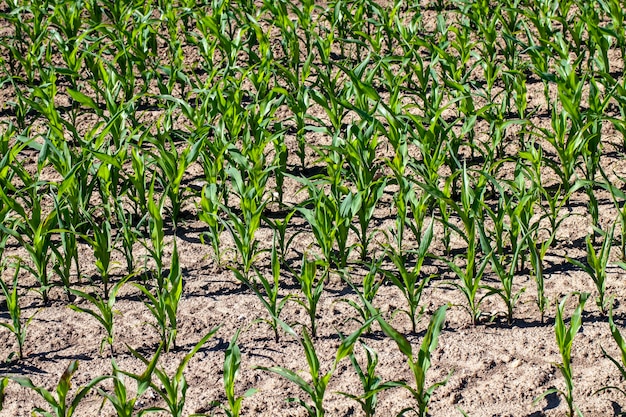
<point>492,368</point>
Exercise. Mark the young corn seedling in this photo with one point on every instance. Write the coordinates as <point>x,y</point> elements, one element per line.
<point>280,227</point>
<point>103,311</point>
<point>372,384</point>
<point>312,287</point>
<point>556,201</point>
<point>68,256</point>
<point>172,167</point>
<point>267,291</point>
<point>136,178</point>
<point>596,264</point>
<point>33,229</point>
<point>232,361</point>
<point>621,363</point>
<point>409,280</point>
<point>369,288</point>
<point>172,389</point>
<point>210,209</point>
<point>18,325</point>
<point>102,244</point>
<point>128,234</point>
<point>470,212</point>
<point>316,388</point>
<point>330,220</point>
<point>569,143</point>
<point>156,247</point>
<point>244,225</point>
<point>164,305</point>
<point>519,205</point>
<point>60,405</point>
<point>364,168</point>
<point>119,399</point>
<point>619,198</point>
<point>537,253</point>
<point>419,364</point>
<point>564,338</point>
<point>504,267</point>
<point>298,99</point>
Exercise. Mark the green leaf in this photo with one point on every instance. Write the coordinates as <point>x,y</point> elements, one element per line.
<point>84,100</point>
<point>3,384</point>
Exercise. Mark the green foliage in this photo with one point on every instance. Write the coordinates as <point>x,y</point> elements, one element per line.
<point>232,361</point>
<point>316,388</point>
<point>409,280</point>
<point>18,325</point>
<point>268,291</point>
<point>312,287</point>
<point>172,389</point>
<point>419,364</point>
<point>103,312</point>
<point>595,267</point>
<point>121,118</point>
<point>620,363</point>
<point>371,382</point>
<point>60,404</point>
<point>163,304</point>
<point>564,339</point>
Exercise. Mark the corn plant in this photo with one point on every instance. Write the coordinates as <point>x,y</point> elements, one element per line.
<point>316,388</point>
<point>280,227</point>
<point>7,220</point>
<point>520,207</point>
<point>103,311</point>
<point>596,264</point>
<point>298,99</point>
<point>569,143</point>
<point>621,362</point>
<point>172,167</point>
<point>618,197</point>
<point>250,188</point>
<point>398,165</point>
<point>267,291</point>
<point>312,287</point>
<point>119,399</point>
<point>372,281</point>
<point>419,365</point>
<point>128,234</point>
<point>210,210</point>
<point>18,325</point>
<point>372,384</point>
<point>537,252</point>
<point>471,213</point>
<point>516,201</point>
<point>365,168</point>
<point>564,339</point>
<point>102,244</point>
<point>68,256</point>
<point>330,219</point>
<point>164,303</point>
<point>409,280</point>
<point>232,361</point>
<point>33,229</point>
<point>60,405</point>
<point>171,389</point>
<point>136,179</point>
<point>156,246</point>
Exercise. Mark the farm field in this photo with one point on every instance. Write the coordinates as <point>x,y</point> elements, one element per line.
<point>307,208</point>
